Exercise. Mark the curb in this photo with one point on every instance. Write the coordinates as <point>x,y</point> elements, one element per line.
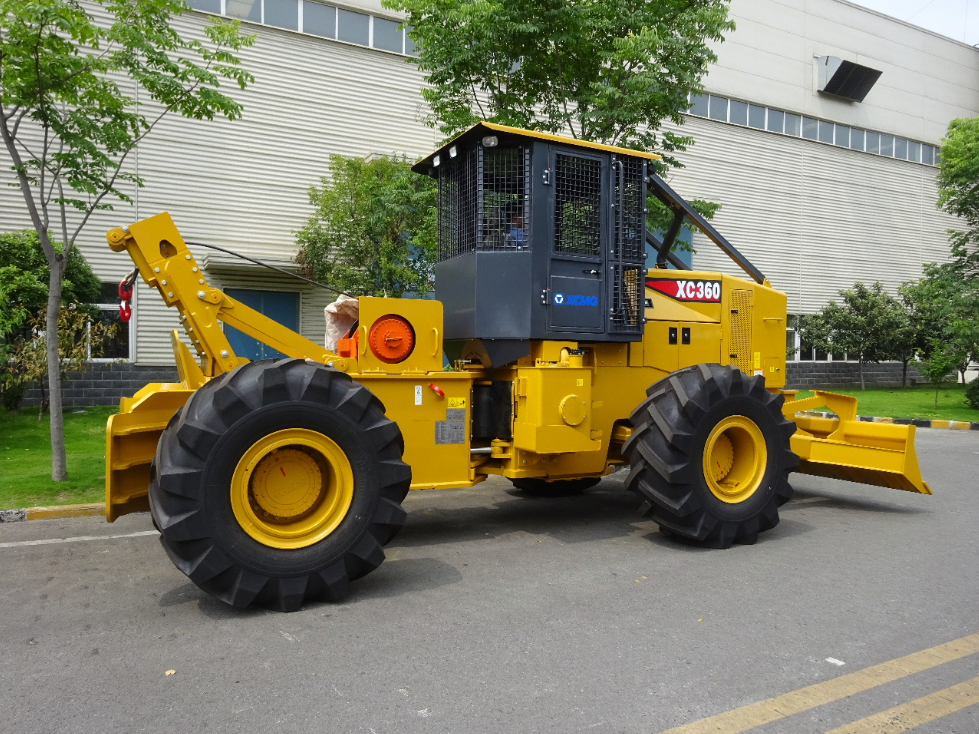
<point>52,513</point>
<point>919,422</point>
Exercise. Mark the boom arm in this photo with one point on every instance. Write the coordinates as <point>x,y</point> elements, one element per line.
<point>165,263</point>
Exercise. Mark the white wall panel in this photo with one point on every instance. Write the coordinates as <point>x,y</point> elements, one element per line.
<point>927,80</point>
<point>814,218</point>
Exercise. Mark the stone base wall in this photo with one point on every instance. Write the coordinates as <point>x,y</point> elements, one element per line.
<point>847,374</point>
<point>104,384</point>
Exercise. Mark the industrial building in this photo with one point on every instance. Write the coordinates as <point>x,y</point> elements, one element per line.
<point>818,135</point>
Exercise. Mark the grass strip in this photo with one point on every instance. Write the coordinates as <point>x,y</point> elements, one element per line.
<point>25,459</point>
<point>917,401</point>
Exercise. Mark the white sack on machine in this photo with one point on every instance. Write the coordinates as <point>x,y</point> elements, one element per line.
<point>340,316</point>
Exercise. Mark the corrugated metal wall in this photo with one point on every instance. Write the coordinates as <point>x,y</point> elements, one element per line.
<point>814,218</point>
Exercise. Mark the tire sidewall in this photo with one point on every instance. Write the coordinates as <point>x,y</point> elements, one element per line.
<point>750,408</point>
<point>220,465</point>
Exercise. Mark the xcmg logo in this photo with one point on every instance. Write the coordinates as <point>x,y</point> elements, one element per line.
<point>561,299</point>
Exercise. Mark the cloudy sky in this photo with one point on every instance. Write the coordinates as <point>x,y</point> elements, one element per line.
<point>958,19</point>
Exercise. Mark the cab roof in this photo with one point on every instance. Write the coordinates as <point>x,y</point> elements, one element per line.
<point>481,129</point>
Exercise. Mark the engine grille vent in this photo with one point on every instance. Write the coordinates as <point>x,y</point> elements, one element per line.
<point>741,302</point>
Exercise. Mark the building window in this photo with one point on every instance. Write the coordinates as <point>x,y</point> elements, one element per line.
<point>117,346</point>
<point>809,127</point>
<point>776,121</point>
<point>856,139</point>
<point>388,35</point>
<point>793,124</point>
<point>718,108</point>
<point>317,19</point>
<point>773,120</point>
<point>244,10</point>
<point>698,105</point>
<point>353,27</point>
<point>825,132</point>
<point>282,14</point>
<point>739,112</point>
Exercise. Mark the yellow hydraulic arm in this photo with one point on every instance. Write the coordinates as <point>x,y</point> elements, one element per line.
<point>165,263</point>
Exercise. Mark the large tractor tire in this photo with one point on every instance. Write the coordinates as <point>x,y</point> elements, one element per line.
<point>537,487</point>
<point>277,483</point>
<point>710,455</point>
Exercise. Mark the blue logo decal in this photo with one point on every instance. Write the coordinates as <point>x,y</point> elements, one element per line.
<point>574,300</point>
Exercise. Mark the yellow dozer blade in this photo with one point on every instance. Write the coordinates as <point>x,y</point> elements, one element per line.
<point>881,454</point>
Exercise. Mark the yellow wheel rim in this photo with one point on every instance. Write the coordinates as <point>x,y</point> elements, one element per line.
<point>735,459</point>
<point>292,488</point>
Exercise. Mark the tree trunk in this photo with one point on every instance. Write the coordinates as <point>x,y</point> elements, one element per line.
<point>59,460</point>
<point>863,385</point>
<point>938,386</point>
<point>904,373</point>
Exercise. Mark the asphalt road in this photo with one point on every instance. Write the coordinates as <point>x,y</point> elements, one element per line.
<point>500,613</point>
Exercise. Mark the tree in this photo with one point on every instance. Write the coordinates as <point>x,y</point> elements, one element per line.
<point>867,326</point>
<point>24,293</point>
<point>25,273</point>
<point>68,126</point>
<point>374,230</point>
<point>958,190</point>
<point>941,359</point>
<point>79,339</point>
<point>945,304</point>
<point>610,71</point>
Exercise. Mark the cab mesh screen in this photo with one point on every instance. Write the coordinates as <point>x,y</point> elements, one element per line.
<point>457,205</point>
<point>577,205</point>
<point>503,215</point>
<point>628,252</point>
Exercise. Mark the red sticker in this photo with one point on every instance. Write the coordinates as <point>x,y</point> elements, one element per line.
<point>700,291</point>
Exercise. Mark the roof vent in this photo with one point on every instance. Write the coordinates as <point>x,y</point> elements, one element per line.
<point>845,78</point>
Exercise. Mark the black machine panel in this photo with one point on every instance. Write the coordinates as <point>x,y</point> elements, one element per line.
<point>539,240</point>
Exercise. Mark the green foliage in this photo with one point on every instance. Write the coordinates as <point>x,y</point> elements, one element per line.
<point>868,325</point>
<point>374,230</point>
<point>60,74</point>
<point>607,70</point>
<point>958,186</point>
<point>24,275</point>
<point>972,394</point>
<point>79,340</point>
<point>941,360</point>
<point>945,306</point>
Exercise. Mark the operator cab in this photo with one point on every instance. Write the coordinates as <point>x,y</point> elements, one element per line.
<point>541,237</point>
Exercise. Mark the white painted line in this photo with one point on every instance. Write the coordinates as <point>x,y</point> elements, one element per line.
<point>80,538</point>
<point>834,661</point>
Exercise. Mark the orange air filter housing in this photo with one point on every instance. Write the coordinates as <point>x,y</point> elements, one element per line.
<point>391,339</point>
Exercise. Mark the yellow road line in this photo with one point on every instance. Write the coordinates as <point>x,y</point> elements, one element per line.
<point>772,709</point>
<point>917,712</point>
